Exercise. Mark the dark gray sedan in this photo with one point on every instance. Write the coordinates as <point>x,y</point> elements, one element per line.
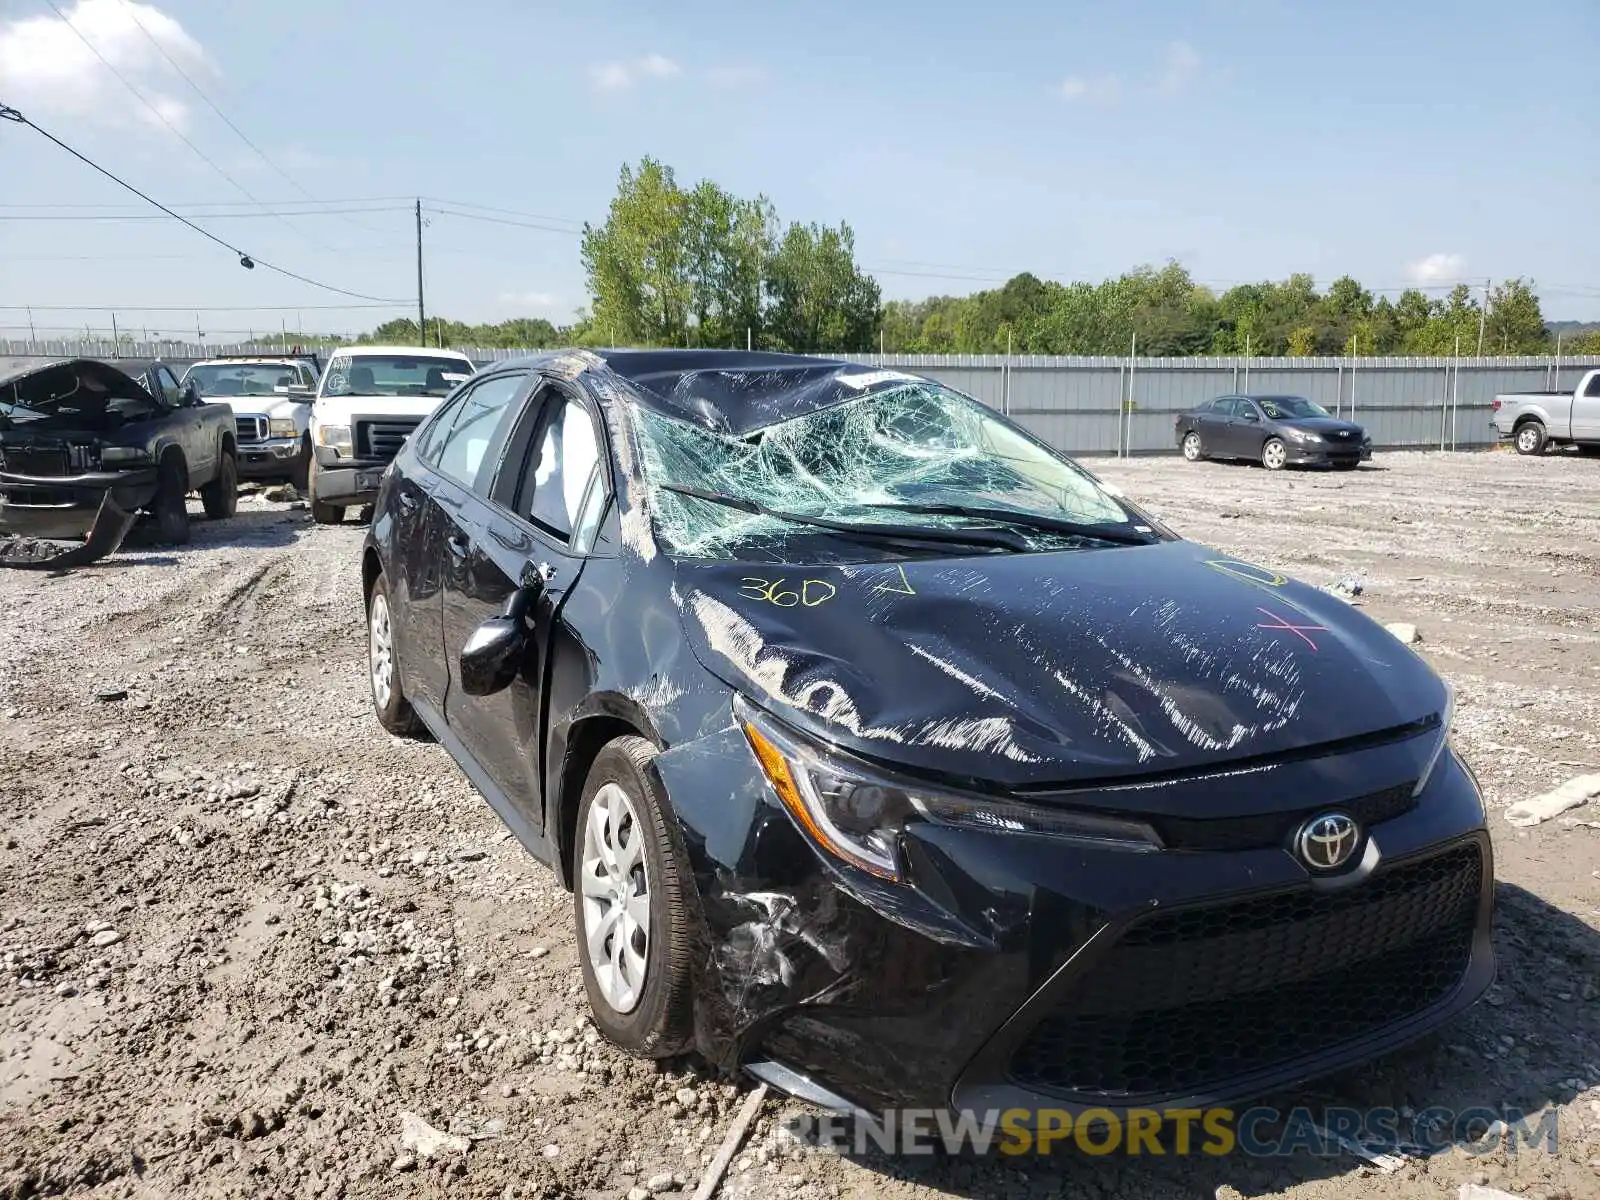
<point>1275,431</point>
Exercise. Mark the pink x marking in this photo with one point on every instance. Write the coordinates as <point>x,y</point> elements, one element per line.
<point>1299,631</point>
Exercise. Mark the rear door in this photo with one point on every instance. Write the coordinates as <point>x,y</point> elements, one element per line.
<point>1586,409</point>
<point>539,517</point>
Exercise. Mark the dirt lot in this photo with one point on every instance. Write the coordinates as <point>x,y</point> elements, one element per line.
<point>242,930</point>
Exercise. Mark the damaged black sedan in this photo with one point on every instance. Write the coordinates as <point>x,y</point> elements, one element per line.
<point>896,759</point>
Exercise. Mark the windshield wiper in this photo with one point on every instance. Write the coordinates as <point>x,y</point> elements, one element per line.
<point>1000,538</point>
<point>1038,521</point>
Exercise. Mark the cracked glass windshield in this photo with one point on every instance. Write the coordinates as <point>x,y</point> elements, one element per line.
<point>882,460</point>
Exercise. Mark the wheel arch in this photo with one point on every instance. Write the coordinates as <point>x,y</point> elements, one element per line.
<point>602,718</point>
<point>371,568</point>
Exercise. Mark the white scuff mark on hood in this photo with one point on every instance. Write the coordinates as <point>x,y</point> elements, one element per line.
<point>1106,716</point>
<point>737,640</point>
<point>978,687</point>
<point>861,380</point>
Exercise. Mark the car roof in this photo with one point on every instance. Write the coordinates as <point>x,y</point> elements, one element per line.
<point>730,391</point>
<point>390,351</point>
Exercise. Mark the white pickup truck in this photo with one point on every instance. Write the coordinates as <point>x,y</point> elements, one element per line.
<point>271,402</point>
<point>368,402</point>
<point>1535,420</point>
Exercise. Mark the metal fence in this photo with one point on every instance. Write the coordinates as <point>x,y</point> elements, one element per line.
<point>1103,405</point>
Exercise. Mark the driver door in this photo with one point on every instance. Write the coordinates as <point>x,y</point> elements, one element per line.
<point>533,529</point>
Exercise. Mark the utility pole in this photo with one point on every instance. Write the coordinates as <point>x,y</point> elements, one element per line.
<point>422,313</point>
<point>116,339</point>
<point>32,335</point>
<point>1483,315</point>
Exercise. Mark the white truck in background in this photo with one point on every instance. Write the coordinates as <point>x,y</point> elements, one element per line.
<point>367,404</point>
<point>271,402</point>
<point>1534,421</point>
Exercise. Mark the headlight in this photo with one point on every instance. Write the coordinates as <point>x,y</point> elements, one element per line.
<point>1442,740</point>
<point>122,456</point>
<point>337,436</point>
<point>281,427</point>
<point>1303,435</point>
<point>857,814</point>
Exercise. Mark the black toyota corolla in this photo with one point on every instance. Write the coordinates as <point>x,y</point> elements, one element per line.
<point>896,759</point>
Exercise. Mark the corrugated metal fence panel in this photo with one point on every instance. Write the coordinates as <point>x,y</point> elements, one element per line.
<point>1075,402</point>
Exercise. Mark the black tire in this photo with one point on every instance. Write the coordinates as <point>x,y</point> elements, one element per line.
<point>661,1023</point>
<point>1345,466</point>
<point>300,472</point>
<point>170,505</point>
<point>1589,449</point>
<point>394,711</point>
<point>221,495</point>
<point>322,514</point>
<point>1274,454</point>
<point>1192,450</point>
<point>1530,438</point>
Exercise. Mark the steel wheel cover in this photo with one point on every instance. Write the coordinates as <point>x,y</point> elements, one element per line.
<point>616,898</point>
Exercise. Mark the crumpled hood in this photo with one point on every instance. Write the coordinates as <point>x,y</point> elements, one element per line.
<point>1049,668</point>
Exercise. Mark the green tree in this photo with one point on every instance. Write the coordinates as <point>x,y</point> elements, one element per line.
<point>1302,341</point>
<point>819,298</point>
<point>1515,324</point>
<point>639,263</point>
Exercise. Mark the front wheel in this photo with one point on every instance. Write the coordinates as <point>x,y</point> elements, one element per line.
<point>389,701</point>
<point>322,514</point>
<point>1191,447</point>
<point>629,896</point>
<point>170,507</point>
<point>1274,454</point>
<point>221,495</point>
<point>1530,438</point>
<point>300,472</point>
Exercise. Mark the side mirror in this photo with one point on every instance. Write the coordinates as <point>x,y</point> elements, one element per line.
<point>494,654</point>
<point>1252,416</point>
<point>189,393</point>
<point>300,391</point>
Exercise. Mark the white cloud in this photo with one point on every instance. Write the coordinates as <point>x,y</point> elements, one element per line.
<point>46,66</point>
<point>618,76</point>
<point>1091,89</point>
<point>1180,66</point>
<point>1437,268</point>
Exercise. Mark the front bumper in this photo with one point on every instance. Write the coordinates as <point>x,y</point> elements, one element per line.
<point>268,459</point>
<point>1026,973</point>
<point>1327,454</point>
<point>347,481</point>
<point>65,506</point>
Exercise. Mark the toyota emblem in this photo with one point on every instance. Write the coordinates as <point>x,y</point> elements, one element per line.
<point>1326,842</point>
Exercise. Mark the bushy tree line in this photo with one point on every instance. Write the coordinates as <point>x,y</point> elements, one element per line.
<point>698,266</point>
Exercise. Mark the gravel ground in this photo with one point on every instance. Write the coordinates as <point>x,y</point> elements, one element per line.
<point>243,931</point>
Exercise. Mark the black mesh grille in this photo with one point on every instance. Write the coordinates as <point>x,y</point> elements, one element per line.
<point>1187,1000</point>
<point>250,429</point>
<point>42,463</point>
<point>383,439</point>
<point>1275,829</point>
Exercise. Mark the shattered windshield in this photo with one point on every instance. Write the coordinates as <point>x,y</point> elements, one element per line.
<point>884,459</point>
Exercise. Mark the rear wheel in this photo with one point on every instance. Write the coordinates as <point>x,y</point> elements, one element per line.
<point>1274,454</point>
<point>1191,446</point>
<point>629,895</point>
<point>221,495</point>
<point>389,701</point>
<point>322,514</point>
<point>170,506</point>
<point>1530,438</point>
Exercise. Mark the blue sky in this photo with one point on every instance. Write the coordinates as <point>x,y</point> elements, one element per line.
<point>1399,142</point>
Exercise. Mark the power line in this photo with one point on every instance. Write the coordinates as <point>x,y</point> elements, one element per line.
<point>451,212</point>
<point>509,212</point>
<point>11,114</point>
<point>234,203</point>
<point>194,308</point>
<point>161,116</point>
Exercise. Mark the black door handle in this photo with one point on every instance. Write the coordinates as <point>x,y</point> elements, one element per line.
<point>458,544</point>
